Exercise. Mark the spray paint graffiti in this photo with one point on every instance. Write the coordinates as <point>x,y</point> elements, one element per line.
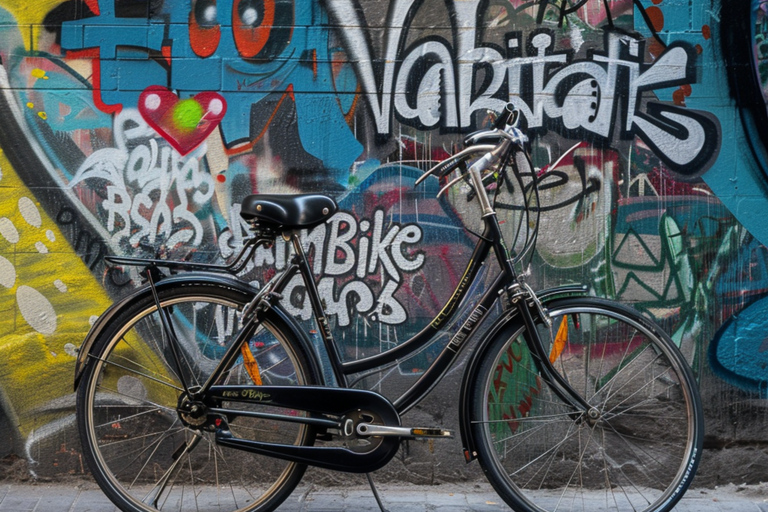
<point>229,47</point>
<point>577,96</point>
<point>739,350</point>
<point>761,44</point>
<point>137,179</point>
<point>346,252</point>
<point>185,124</point>
<point>137,128</point>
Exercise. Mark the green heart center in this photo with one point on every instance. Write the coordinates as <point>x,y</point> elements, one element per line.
<point>187,114</point>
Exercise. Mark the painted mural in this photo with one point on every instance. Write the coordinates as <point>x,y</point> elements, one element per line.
<point>137,127</point>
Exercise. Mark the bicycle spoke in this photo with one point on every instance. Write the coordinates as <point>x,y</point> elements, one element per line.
<point>218,454</point>
<point>526,433</point>
<point>136,372</point>
<point>145,350</point>
<point>551,459</point>
<point>635,449</point>
<point>619,369</point>
<point>550,450</point>
<point>609,395</point>
<point>114,393</point>
<point>610,484</point>
<point>151,455</point>
<point>578,464</point>
<point>626,457</point>
<point>154,495</point>
<point>639,390</point>
<point>528,419</point>
<point>138,438</point>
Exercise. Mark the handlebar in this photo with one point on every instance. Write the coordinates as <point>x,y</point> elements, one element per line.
<point>501,175</point>
<point>445,167</point>
<point>508,117</point>
<point>504,128</point>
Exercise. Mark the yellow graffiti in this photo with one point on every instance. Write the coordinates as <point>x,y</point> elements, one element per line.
<point>29,17</point>
<point>39,73</point>
<point>47,297</point>
<point>41,114</point>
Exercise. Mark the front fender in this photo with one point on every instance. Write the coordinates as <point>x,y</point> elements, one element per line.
<point>470,372</point>
<point>115,309</point>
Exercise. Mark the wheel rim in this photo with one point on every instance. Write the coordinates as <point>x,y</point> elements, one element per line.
<point>632,453</point>
<point>135,430</point>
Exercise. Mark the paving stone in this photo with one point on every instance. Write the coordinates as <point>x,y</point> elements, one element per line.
<point>24,497</point>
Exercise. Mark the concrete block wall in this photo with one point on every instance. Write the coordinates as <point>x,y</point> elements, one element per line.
<point>662,205</point>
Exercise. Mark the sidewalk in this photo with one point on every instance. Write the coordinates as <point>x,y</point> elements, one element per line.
<point>86,497</point>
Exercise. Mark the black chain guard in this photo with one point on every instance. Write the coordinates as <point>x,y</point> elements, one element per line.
<point>319,402</point>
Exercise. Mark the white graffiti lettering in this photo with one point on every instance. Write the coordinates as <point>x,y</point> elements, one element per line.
<point>151,190</point>
<point>433,83</point>
<point>360,265</point>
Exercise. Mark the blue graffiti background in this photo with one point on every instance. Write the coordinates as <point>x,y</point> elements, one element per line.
<point>131,59</point>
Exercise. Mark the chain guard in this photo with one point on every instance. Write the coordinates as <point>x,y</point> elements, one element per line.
<point>345,404</point>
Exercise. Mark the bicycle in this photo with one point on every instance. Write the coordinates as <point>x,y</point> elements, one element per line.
<point>198,391</point>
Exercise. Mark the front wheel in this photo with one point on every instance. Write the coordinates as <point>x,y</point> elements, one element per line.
<point>145,449</point>
<point>638,447</point>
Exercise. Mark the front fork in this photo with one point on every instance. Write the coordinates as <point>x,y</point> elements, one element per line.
<point>529,307</point>
<point>521,296</point>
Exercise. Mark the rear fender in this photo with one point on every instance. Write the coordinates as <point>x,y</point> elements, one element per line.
<point>180,280</point>
<point>508,321</point>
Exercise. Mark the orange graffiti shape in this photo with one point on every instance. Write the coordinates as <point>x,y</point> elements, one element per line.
<point>657,18</point>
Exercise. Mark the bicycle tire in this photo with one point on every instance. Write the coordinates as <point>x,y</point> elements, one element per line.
<point>129,426</point>
<point>640,454</point>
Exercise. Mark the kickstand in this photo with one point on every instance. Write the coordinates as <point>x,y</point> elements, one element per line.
<point>375,492</point>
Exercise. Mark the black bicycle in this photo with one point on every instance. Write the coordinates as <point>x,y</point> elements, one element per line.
<point>199,391</point>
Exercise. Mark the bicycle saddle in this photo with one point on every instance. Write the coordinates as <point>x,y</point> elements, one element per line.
<point>288,211</point>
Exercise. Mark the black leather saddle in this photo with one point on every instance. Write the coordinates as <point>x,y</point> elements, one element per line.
<point>288,211</point>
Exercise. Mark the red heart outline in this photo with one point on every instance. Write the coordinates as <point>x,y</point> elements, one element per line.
<point>157,106</point>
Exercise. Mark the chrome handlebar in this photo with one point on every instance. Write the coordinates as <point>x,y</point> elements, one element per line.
<point>505,129</point>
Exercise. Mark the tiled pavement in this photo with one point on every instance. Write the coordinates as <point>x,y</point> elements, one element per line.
<point>86,497</point>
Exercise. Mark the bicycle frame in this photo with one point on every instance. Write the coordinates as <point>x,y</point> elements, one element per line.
<point>507,282</point>
<point>521,301</point>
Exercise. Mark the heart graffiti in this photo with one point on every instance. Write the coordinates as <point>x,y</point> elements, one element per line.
<point>184,123</point>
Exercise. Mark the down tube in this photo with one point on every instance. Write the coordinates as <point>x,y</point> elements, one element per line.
<point>426,335</point>
<point>444,361</point>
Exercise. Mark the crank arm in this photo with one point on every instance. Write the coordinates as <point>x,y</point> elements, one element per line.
<point>368,429</point>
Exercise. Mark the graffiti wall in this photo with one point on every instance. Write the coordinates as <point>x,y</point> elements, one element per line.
<point>138,127</point>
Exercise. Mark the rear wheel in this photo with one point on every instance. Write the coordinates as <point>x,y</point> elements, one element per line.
<point>636,449</point>
<point>145,448</point>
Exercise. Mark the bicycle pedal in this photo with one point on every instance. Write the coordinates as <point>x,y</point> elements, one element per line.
<point>431,432</point>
